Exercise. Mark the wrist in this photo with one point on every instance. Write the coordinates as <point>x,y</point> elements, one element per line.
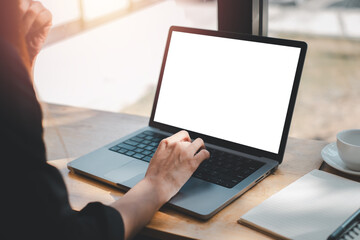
<point>156,189</point>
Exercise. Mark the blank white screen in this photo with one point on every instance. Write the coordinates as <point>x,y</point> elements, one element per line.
<point>230,89</point>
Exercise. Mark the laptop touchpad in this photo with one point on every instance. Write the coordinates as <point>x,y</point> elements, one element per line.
<point>127,171</point>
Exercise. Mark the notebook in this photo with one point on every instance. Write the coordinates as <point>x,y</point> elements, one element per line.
<point>310,208</point>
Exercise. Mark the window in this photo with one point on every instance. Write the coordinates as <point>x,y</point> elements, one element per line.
<point>64,11</point>
<point>94,9</point>
<point>330,84</point>
<point>107,55</point>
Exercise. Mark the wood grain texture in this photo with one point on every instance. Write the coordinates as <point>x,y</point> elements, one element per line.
<point>71,132</point>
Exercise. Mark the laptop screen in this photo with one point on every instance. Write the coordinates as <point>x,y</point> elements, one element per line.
<point>231,89</point>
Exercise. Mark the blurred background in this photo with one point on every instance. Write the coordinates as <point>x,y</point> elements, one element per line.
<point>106,55</point>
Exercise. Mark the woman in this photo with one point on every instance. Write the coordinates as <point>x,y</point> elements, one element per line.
<point>34,200</point>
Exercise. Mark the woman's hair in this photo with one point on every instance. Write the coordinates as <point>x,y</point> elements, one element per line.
<point>11,28</point>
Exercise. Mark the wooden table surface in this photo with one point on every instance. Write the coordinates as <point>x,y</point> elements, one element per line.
<point>71,132</point>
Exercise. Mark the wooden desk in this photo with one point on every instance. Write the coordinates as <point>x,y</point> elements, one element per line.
<point>71,132</point>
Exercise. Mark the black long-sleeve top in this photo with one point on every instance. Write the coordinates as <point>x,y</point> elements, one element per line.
<point>34,200</point>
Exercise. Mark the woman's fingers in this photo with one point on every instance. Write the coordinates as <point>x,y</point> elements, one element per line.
<point>201,156</point>
<point>196,145</point>
<point>182,136</point>
<point>37,21</point>
<point>31,15</point>
<point>42,20</point>
<point>198,152</point>
<point>24,6</point>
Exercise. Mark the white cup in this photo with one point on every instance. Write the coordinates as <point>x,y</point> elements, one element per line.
<point>348,145</point>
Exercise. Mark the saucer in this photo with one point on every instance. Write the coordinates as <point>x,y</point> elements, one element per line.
<point>331,156</point>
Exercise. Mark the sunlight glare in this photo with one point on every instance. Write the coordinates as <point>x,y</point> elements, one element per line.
<point>94,8</point>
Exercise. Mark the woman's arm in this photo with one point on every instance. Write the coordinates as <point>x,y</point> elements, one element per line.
<point>174,162</point>
<point>172,165</point>
<point>138,206</point>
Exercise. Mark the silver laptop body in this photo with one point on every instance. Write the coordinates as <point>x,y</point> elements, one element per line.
<point>237,92</point>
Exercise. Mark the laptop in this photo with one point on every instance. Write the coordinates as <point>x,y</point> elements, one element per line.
<point>236,92</point>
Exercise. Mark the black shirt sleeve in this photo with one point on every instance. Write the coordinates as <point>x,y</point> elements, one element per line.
<point>34,199</point>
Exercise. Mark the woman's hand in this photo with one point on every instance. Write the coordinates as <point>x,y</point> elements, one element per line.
<point>37,21</point>
<point>175,160</point>
<point>172,165</point>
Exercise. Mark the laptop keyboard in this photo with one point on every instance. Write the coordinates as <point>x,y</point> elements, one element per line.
<point>221,168</point>
<point>142,146</point>
<point>226,169</point>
